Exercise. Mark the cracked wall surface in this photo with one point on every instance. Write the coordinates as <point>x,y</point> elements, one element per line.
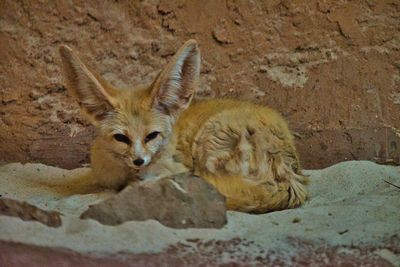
<point>331,68</point>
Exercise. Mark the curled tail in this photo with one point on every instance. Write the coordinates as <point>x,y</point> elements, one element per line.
<point>280,185</point>
<point>285,170</point>
<point>244,196</point>
<point>297,190</point>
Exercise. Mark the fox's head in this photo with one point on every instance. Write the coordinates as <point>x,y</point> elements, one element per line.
<point>134,124</point>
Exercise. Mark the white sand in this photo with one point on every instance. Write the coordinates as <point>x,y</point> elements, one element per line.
<point>350,204</point>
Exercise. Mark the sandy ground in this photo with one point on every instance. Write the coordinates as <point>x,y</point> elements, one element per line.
<point>350,205</point>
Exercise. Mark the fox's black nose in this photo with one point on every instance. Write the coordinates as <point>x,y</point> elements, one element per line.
<point>138,162</point>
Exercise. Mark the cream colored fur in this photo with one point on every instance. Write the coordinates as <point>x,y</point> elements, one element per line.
<point>245,150</point>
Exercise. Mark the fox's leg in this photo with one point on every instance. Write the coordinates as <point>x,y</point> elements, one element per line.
<point>253,164</point>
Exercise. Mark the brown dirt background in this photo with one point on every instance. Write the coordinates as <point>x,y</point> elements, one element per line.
<point>332,68</point>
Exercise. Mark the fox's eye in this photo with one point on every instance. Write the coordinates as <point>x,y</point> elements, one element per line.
<point>122,138</point>
<point>151,136</point>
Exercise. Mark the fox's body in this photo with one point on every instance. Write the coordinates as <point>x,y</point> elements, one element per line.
<point>149,132</point>
<point>245,150</point>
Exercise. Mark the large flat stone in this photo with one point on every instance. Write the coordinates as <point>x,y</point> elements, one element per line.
<point>181,201</point>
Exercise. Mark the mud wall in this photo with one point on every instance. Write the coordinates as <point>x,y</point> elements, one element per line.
<point>332,68</point>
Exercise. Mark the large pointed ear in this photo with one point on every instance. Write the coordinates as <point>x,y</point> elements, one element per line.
<point>93,94</point>
<point>175,87</point>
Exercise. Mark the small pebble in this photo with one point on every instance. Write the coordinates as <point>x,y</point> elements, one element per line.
<point>296,220</point>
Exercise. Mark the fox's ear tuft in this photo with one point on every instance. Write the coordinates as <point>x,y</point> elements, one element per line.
<point>175,87</point>
<point>94,95</point>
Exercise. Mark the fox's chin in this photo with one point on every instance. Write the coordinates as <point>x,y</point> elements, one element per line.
<point>138,169</point>
<point>134,172</point>
<point>135,168</point>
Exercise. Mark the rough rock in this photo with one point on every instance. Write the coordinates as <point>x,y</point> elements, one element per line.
<point>181,201</point>
<point>221,34</point>
<point>28,212</point>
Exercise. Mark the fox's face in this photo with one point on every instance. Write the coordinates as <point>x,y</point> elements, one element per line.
<point>133,132</point>
<point>137,142</point>
<point>134,124</point>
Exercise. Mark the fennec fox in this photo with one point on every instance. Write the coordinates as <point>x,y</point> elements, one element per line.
<point>151,131</point>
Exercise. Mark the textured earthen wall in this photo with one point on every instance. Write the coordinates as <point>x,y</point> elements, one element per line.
<point>332,68</point>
